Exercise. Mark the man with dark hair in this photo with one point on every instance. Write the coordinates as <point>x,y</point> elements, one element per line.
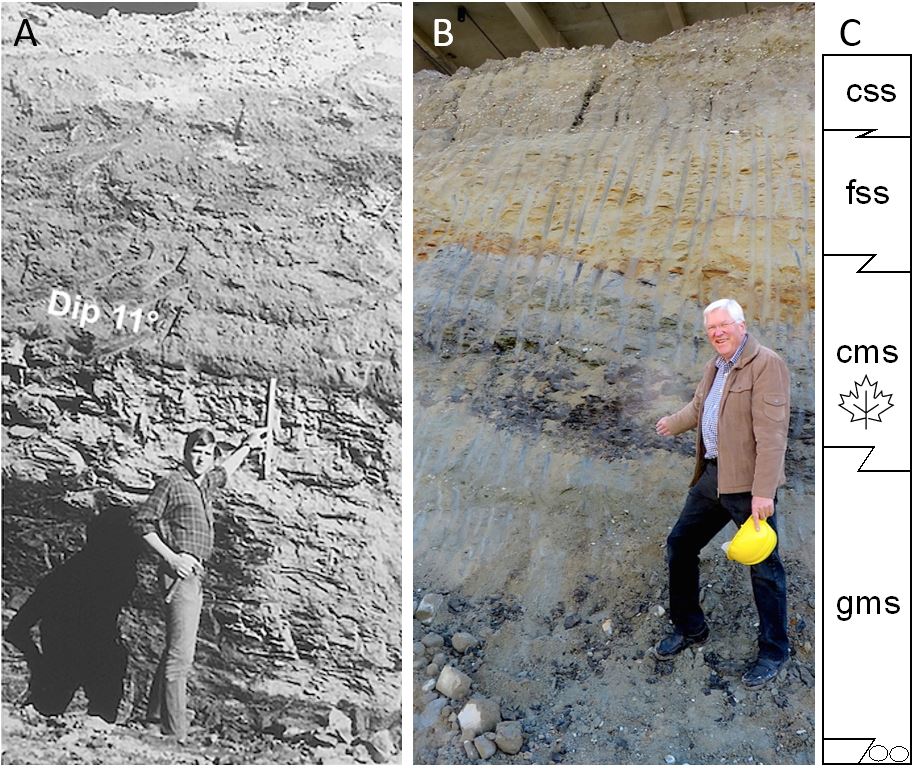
<point>740,411</point>
<point>176,521</point>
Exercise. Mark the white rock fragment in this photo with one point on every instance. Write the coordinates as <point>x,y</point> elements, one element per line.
<point>383,742</point>
<point>453,683</point>
<point>658,611</point>
<point>428,607</point>
<point>480,715</point>
<point>339,724</point>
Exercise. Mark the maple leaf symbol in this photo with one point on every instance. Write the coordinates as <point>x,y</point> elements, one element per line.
<point>864,403</point>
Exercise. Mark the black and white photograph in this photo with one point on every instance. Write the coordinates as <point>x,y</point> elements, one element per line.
<point>201,373</point>
<point>613,383</point>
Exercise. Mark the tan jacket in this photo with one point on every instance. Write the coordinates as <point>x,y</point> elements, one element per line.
<point>752,422</point>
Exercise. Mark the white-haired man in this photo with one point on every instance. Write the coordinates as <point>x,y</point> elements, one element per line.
<point>740,412</point>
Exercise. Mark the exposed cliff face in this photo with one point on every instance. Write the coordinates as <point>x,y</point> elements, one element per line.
<point>574,212</point>
<point>237,174</point>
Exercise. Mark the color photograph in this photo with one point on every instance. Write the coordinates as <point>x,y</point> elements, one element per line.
<point>613,408</point>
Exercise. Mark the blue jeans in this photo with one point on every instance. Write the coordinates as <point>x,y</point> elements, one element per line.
<point>703,516</point>
<point>168,694</point>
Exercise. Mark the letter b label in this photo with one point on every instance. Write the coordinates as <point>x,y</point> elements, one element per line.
<point>443,31</point>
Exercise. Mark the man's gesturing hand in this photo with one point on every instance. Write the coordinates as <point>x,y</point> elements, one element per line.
<point>183,564</point>
<point>762,508</point>
<point>662,427</point>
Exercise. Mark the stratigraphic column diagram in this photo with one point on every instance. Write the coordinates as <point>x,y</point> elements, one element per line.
<point>866,395</point>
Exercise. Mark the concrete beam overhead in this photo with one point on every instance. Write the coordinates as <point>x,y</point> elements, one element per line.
<point>538,27</point>
<point>425,42</point>
<point>676,15</point>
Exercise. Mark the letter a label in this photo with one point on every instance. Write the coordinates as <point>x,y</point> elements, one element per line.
<point>25,33</point>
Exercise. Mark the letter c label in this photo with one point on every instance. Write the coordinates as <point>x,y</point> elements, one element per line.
<point>842,32</point>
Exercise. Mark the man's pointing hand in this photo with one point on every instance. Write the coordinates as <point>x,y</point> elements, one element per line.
<point>256,438</point>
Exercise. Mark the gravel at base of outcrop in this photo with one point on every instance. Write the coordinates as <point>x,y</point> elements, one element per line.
<point>30,739</point>
<point>577,695</point>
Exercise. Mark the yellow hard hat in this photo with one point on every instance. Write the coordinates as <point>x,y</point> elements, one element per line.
<point>750,546</point>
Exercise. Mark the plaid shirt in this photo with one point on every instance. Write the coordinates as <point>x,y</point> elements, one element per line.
<point>179,511</point>
<point>713,401</point>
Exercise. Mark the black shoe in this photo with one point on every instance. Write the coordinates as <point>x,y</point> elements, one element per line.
<point>671,645</point>
<point>762,671</point>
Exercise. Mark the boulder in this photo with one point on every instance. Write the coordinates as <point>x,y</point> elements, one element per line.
<point>480,715</point>
<point>33,410</point>
<point>485,748</point>
<point>453,683</point>
<point>381,745</point>
<point>463,641</point>
<point>340,725</point>
<point>509,737</point>
<point>432,640</point>
<point>47,460</point>
<point>428,607</point>
<point>21,432</point>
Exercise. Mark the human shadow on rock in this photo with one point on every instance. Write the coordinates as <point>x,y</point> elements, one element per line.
<point>76,608</point>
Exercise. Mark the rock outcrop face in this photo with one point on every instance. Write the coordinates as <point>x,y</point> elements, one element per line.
<point>574,212</point>
<point>237,174</point>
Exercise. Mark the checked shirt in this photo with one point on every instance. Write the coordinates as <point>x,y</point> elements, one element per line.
<point>179,511</point>
<point>713,401</point>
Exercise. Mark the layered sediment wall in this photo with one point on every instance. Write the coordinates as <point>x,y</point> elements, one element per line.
<point>233,178</point>
<point>574,211</point>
